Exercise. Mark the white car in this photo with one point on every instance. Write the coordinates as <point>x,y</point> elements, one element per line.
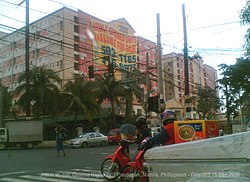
<point>89,139</point>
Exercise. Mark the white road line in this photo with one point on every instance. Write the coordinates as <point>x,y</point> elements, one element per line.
<point>17,172</point>
<point>66,178</point>
<point>14,180</point>
<point>107,153</point>
<point>45,179</point>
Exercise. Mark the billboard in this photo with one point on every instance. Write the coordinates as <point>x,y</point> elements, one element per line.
<point>113,46</point>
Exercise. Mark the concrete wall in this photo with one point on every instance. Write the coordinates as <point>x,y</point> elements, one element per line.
<point>225,158</point>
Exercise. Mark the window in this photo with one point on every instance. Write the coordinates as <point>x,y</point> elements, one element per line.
<point>76,66</point>
<point>92,135</point>
<point>76,29</point>
<point>76,47</point>
<point>76,38</point>
<point>76,19</point>
<point>61,25</point>
<point>98,135</point>
<point>76,57</point>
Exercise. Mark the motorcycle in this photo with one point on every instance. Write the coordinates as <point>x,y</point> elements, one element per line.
<point>113,165</point>
<point>134,170</point>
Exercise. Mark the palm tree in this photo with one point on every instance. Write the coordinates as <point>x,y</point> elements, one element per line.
<point>42,88</point>
<point>109,88</point>
<point>81,97</point>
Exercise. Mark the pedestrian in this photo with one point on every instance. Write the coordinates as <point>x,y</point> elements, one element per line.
<point>60,136</point>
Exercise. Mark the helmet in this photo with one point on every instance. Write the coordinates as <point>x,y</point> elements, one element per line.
<point>140,122</point>
<point>168,116</point>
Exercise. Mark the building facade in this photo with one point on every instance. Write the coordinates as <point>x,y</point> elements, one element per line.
<point>69,41</point>
<point>174,79</point>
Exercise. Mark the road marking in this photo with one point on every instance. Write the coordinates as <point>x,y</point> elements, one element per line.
<point>107,153</point>
<point>18,172</point>
<point>45,179</point>
<point>14,180</point>
<point>66,178</point>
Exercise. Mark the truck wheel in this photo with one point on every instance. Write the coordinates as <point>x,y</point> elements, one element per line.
<point>30,145</point>
<point>2,146</point>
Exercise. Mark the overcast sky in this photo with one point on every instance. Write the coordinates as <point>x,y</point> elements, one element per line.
<point>214,30</point>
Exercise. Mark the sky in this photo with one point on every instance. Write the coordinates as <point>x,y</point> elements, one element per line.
<point>213,26</point>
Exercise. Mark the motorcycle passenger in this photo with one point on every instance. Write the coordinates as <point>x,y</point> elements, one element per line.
<point>166,135</point>
<point>142,131</point>
<point>126,140</point>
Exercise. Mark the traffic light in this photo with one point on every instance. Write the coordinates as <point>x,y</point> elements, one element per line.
<point>111,69</point>
<point>153,104</point>
<point>91,71</point>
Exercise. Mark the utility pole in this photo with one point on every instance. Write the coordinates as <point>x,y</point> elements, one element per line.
<point>27,65</point>
<point>159,68</point>
<point>147,84</point>
<point>1,106</point>
<point>186,72</point>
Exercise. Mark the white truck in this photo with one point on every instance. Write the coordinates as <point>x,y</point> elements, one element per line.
<point>21,134</point>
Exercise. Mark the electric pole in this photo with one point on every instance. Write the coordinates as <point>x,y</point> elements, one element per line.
<point>161,104</point>
<point>27,65</point>
<point>147,84</point>
<point>1,106</point>
<point>27,50</point>
<point>186,72</point>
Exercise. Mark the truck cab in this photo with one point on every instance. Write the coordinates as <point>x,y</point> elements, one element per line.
<point>3,137</point>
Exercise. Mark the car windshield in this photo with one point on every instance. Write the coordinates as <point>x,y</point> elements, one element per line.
<point>83,135</point>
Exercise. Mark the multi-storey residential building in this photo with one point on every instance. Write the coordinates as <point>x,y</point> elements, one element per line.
<point>210,76</point>
<point>69,41</point>
<point>174,79</point>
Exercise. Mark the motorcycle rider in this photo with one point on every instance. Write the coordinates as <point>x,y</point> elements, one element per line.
<point>142,131</point>
<point>166,135</point>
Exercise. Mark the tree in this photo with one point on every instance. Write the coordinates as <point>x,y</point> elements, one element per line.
<point>208,102</point>
<point>42,89</point>
<point>235,86</point>
<point>109,88</point>
<point>245,17</point>
<point>81,97</point>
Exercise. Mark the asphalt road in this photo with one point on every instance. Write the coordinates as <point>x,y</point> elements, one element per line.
<point>44,165</point>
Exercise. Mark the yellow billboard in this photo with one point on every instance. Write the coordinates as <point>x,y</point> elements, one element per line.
<point>113,46</point>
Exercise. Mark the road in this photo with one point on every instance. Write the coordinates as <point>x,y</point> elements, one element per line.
<point>43,165</point>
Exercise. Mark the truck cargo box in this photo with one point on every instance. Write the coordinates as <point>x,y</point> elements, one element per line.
<point>24,131</point>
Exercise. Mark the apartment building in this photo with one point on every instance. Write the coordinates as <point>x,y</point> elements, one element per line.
<point>70,41</point>
<point>174,79</point>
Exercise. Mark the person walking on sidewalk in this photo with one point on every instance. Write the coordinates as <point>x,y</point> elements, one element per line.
<point>60,136</point>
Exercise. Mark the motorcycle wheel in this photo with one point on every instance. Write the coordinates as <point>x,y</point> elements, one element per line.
<point>130,174</point>
<point>110,169</point>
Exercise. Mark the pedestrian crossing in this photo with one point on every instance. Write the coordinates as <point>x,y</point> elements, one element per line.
<point>74,175</point>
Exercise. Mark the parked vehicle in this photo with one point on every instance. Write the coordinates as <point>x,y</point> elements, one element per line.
<point>21,134</point>
<point>89,139</point>
<point>114,136</point>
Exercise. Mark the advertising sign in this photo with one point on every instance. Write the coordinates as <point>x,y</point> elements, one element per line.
<point>114,47</point>
<point>191,130</point>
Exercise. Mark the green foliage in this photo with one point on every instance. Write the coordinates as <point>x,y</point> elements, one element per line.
<point>235,84</point>
<point>80,96</point>
<point>245,17</point>
<point>7,101</point>
<point>109,88</point>
<point>43,88</point>
<point>208,102</point>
